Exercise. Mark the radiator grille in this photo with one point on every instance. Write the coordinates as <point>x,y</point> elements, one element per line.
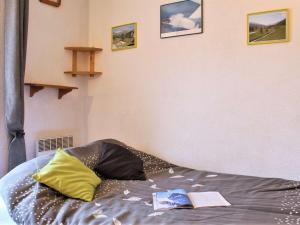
<point>45,146</point>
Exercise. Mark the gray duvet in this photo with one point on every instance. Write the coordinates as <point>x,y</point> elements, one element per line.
<point>254,200</point>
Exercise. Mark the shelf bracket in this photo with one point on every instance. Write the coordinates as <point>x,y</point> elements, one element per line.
<point>62,92</point>
<point>35,89</point>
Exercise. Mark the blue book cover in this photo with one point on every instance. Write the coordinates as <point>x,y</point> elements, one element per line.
<point>171,199</point>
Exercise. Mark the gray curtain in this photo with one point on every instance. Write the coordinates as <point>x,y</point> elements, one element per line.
<point>16,24</point>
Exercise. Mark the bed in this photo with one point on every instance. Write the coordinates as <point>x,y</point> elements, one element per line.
<point>254,200</point>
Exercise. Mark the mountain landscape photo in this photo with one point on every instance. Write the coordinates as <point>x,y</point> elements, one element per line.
<point>123,37</point>
<point>268,27</point>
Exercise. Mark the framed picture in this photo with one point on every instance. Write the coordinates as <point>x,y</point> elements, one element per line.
<point>181,18</point>
<point>124,37</point>
<point>268,27</point>
<point>55,3</point>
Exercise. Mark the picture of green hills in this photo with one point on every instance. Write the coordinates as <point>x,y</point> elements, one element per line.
<point>268,27</point>
<point>124,37</point>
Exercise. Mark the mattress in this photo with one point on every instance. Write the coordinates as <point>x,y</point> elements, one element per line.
<point>254,200</point>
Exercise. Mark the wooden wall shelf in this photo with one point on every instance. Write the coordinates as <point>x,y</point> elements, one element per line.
<point>92,51</point>
<point>83,73</point>
<point>62,90</point>
<point>84,49</point>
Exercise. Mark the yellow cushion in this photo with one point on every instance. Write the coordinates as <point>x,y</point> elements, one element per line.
<point>69,176</point>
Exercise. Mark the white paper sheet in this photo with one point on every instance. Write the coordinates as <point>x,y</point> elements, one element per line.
<point>207,199</point>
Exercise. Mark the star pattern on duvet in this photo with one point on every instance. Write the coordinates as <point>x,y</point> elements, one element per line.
<point>155,214</point>
<point>154,186</point>
<point>289,205</point>
<point>133,199</point>
<point>197,185</point>
<point>126,192</point>
<point>176,177</point>
<point>171,171</point>
<point>98,214</point>
<point>211,175</point>
<point>148,204</point>
<point>116,221</point>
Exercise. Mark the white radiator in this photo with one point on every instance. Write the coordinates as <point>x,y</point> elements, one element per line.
<point>49,145</point>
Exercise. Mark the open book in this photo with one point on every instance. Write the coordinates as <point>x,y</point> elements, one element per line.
<point>179,198</point>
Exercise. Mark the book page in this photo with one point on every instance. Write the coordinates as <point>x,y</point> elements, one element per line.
<point>207,199</point>
<point>171,199</point>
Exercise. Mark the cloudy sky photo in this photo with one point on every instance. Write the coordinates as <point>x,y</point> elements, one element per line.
<point>268,18</point>
<point>184,15</point>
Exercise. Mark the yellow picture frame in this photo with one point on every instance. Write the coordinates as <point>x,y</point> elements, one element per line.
<point>268,32</point>
<point>122,37</point>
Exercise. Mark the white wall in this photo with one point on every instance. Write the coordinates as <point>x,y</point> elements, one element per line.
<point>203,101</point>
<point>50,30</point>
<point>3,142</point>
